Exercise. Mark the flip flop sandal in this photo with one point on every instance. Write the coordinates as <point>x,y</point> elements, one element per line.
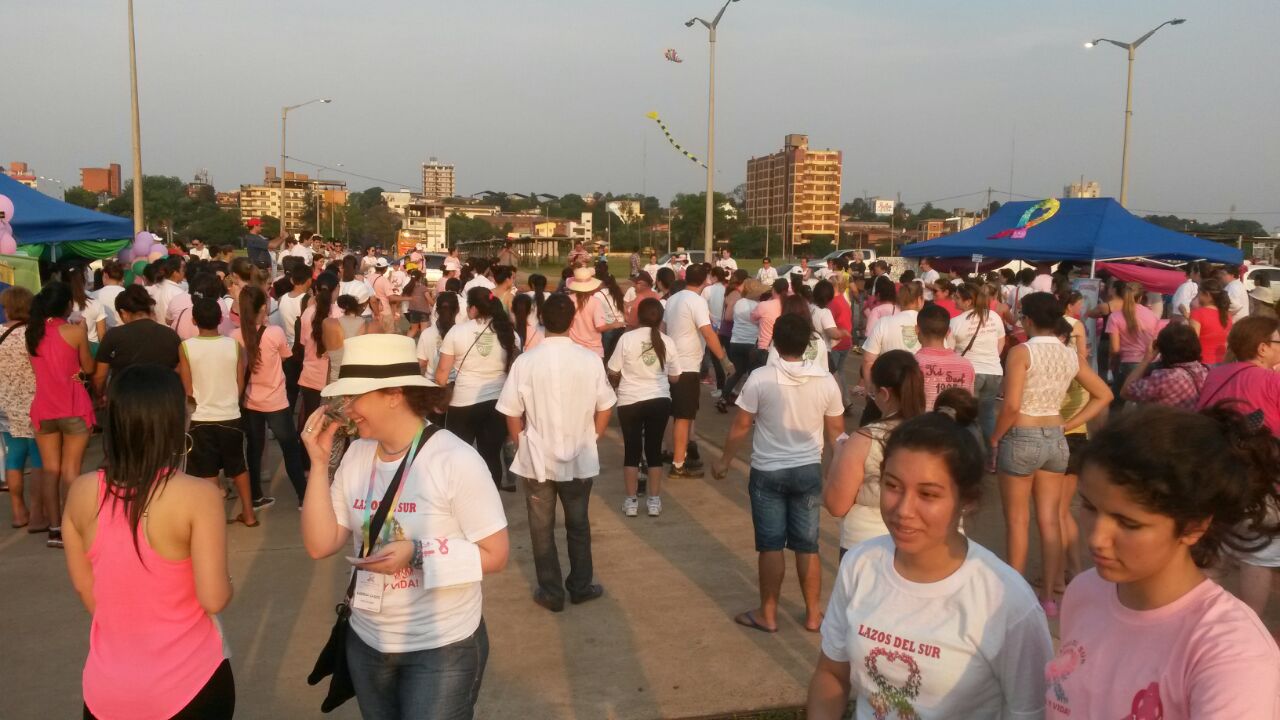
<point>748,620</point>
<point>240,519</point>
<point>16,526</point>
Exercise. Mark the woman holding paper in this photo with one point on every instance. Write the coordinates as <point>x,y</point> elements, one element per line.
<point>419,644</point>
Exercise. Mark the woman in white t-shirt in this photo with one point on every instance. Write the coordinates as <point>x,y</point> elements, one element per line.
<point>978,334</point>
<point>481,350</point>
<point>354,286</point>
<point>923,622</point>
<point>644,366</point>
<point>742,341</point>
<point>418,644</point>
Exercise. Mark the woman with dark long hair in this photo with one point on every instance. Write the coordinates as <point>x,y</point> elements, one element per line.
<point>852,490</point>
<point>614,310</point>
<point>644,366</point>
<point>147,553</point>
<point>61,413</point>
<point>1211,320</point>
<point>528,329</point>
<point>979,335</point>
<point>433,336</point>
<point>481,349</point>
<point>1029,442</point>
<point>315,358</point>
<point>538,291</point>
<point>265,402</point>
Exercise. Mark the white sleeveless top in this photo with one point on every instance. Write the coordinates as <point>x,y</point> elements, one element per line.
<point>1053,366</point>
<point>214,363</point>
<point>863,521</point>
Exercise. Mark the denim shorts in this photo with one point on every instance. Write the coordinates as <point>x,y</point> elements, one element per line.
<point>785,508</point>
<point>1024,450</point>
<point>20,452</point>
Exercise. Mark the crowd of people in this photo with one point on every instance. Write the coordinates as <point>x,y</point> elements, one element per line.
<point>1142,429</point>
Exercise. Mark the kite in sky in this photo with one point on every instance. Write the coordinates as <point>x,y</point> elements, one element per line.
<point>654,117</point>
<point>671,55</point>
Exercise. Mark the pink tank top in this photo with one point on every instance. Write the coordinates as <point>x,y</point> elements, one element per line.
<point>59,392</point>
<point>151,646</point>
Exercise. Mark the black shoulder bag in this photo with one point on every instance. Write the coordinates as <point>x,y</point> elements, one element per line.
<point>333,658</point>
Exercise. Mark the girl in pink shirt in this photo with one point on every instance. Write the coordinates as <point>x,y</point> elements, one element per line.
<point>265,401</point>
<point>1146,634</point>
<point>147,553</point>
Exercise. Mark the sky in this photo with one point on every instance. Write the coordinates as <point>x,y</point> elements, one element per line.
<point>929,100</point>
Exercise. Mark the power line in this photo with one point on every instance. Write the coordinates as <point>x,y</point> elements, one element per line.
<point>348,172</point>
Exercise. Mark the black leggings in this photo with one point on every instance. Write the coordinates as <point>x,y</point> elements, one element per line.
<point>741,355</point>
<point>481,424</point>
<point>215,701</point>
<point>311,402</point>
<point>643,425</point>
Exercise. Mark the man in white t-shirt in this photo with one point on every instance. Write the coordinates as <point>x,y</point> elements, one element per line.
<point>795,408</point>
<point>1236,293</point>
<point>557,400</point>
<point>928,276</point>
<point>767,272</point>
<point>1186,293</point>
<point>302,249</point>
<point>727,262</point>
<point>688,322</point>
<point>1043,281</point>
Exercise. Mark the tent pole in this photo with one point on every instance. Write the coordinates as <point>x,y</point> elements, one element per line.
<point>1093,268</point>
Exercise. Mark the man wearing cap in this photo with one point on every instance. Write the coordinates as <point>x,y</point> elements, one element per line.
<point>557,400</point>
<point>259,248</point>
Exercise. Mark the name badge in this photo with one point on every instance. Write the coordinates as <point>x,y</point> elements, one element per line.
<point>368,592</point>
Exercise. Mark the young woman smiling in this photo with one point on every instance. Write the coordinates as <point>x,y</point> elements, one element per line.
<point>1156,513</point>
<point>923,622</point>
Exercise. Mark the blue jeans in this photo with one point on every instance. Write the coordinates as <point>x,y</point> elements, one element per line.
<point>540,501</point>
<point>442,683</point>
<point>986,388</point>
<point>835,362</point>
<point>784,508</point>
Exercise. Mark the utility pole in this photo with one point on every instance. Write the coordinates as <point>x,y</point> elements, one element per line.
<point>137,129</point>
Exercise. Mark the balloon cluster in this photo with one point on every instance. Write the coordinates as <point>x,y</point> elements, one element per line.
<point>146,246</point>
<point>8,244</point>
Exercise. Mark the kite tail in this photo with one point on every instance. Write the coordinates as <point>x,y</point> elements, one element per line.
<point>654,116</point>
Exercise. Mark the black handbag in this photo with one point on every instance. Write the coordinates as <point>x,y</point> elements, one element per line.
<point>333,658</point>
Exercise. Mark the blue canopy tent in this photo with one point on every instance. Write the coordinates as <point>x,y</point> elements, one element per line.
<point>1080,229</point>
<point>41,220</point>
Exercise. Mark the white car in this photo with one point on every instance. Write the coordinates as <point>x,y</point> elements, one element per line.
<point>1270,272</point>
<point>784,272</point>
<point>432,266</point>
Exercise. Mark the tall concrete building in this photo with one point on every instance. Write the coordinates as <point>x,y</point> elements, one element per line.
<point>438,180</point>
<point>102,181</point>
<point>22,173</point>
<point>1082,189</point>
<point>795,193</point>
<point>264,199</point>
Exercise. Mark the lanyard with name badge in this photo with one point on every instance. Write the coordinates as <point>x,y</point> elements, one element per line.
<point>368,587</point>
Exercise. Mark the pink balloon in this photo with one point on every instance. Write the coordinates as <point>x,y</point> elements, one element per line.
<point>8,246</point>
<point>6,207</point>
<point>142,243</point>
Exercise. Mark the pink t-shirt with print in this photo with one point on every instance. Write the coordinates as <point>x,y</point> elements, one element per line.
<point>266,391</point>
<point>586,319</point>
<point>1205,655</point>
<point>942,369</point>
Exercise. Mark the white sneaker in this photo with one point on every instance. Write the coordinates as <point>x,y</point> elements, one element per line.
<point>655,506</point>
<point>631,506</point>
<point>715,394</point>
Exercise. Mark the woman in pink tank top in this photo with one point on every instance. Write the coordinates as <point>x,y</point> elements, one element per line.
<point>62,413</point>
<point>147,551</point>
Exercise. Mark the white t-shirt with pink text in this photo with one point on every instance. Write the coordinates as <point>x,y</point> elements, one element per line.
<point>1205,655</point>
<point>968,646</point>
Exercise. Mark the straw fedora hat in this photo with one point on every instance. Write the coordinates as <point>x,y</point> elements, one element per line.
<point>376,362</point>
<point>585,280</point>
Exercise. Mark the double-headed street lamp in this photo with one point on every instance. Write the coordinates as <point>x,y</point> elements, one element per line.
<point>1128,98</point>
<point>284,124</point>
<point>709,234</point>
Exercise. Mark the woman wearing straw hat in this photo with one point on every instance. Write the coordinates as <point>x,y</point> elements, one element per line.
<point>419,645</point>
<point>591,318</point>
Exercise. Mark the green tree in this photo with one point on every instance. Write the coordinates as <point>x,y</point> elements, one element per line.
<point>691,210</point>
<point>859,209</point>
<point>79,196</point>
<point>1247,228</point>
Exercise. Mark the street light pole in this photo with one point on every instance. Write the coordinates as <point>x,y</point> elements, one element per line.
<point>137,132</point>
<point>709,230</point>
<point>284,124</point>
<point>1131,48</point>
